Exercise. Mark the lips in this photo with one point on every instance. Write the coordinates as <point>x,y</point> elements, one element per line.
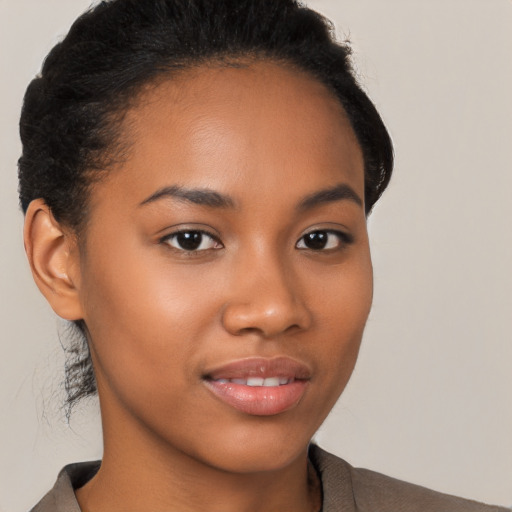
<point>260,387</point>
<point>259,381</point>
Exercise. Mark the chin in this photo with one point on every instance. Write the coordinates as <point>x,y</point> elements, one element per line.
<point>265,448</point>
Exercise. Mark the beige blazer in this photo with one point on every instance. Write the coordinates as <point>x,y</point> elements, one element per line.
<point>345,489</point>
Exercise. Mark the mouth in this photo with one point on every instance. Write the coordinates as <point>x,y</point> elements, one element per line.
<point>259,387</point>
<point>267,382</point>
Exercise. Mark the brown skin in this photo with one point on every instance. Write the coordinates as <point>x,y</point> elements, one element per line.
<point>159,317</point>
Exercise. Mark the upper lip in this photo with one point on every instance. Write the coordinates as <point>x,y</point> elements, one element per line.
<point>261,367</point>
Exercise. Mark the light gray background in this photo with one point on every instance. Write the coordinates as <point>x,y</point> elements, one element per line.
<point>431,398</point>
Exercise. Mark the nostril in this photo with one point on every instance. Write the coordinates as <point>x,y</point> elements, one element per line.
<point>294,327</point>
<point>249,330</point>
<point>265,333</point>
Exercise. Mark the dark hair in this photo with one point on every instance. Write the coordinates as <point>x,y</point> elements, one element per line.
<point>72,112</point>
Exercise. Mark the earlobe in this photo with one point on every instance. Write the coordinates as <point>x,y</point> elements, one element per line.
<point>54,260</point>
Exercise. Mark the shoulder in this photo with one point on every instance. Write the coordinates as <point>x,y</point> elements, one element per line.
<point>61,498</point>
<point>361,490</point>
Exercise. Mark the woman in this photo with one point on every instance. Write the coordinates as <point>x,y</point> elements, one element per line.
<point>196,178</point>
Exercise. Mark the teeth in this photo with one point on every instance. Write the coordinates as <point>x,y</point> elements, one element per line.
<point>255,381</point>
<point>258,381</point>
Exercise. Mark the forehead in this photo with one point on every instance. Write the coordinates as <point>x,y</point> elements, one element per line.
<point>255,126</point>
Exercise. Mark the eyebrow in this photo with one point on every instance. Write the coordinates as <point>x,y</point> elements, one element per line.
<point>337,193</point>
<point>212,199</point>
<point>200,196</point>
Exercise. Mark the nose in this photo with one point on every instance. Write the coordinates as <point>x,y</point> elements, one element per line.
<point>265,299</point>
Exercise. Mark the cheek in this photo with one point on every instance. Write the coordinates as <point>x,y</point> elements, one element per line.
<point>345,305</point>
<point>344,294</point>
<point>145,317</point>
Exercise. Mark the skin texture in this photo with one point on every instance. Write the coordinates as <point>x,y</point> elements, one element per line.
<point>160,318</point>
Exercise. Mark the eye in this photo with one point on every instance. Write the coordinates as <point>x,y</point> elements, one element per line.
<point>192,241</point>
<point>323,240</point>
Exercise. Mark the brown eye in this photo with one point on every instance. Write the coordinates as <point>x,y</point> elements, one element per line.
<point>192,240</point>
<point>322,240</point>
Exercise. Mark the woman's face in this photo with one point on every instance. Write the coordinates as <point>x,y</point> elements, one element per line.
<point>228,251</point>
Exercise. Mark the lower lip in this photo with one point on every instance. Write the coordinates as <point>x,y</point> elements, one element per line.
<point>259,400</point>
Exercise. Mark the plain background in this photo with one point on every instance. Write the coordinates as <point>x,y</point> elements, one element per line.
<point>431,398</point>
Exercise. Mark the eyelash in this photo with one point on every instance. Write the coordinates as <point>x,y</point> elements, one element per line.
<point>343,239</point>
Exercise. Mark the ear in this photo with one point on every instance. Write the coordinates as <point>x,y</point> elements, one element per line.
<point>54,260</point>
